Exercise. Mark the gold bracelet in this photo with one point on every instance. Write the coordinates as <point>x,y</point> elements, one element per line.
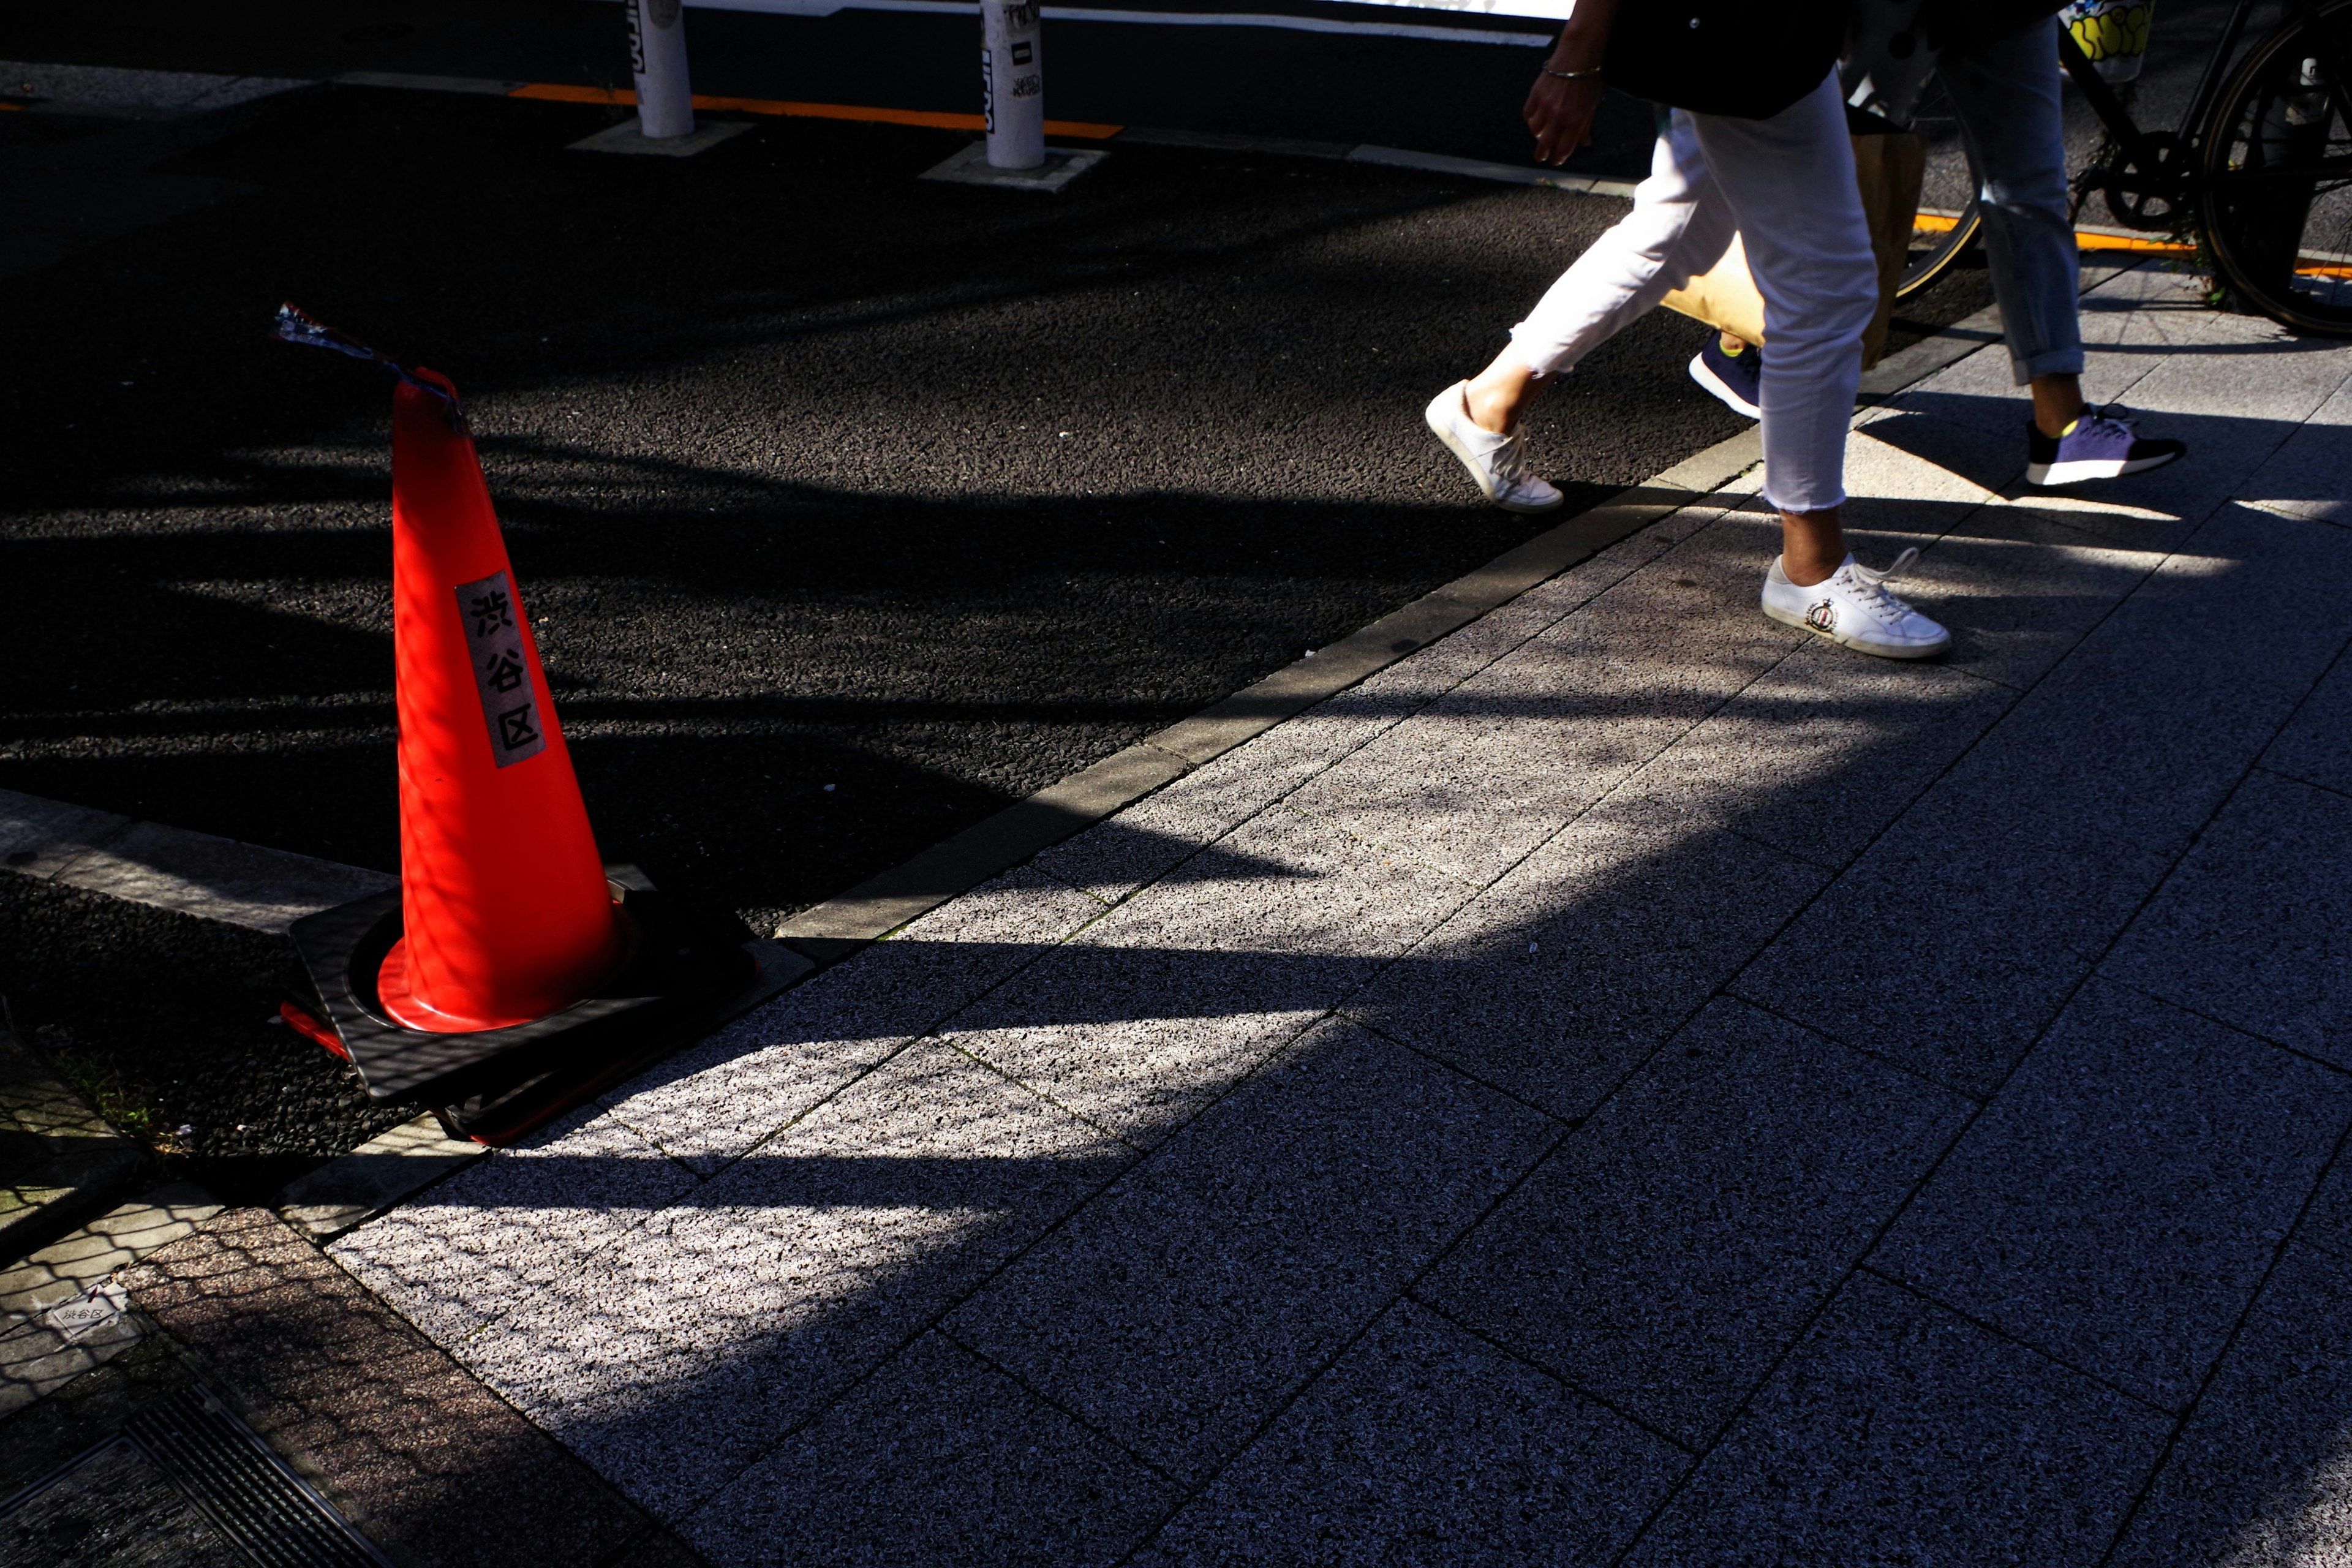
<point>1567,76</point>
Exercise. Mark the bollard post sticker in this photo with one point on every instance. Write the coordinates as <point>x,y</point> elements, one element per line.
<point>488,610</point>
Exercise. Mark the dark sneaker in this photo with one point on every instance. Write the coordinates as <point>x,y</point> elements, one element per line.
<point>1737,378</point>
<point>2101,443</point>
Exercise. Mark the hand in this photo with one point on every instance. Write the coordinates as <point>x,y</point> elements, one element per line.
<point>1560,114</point>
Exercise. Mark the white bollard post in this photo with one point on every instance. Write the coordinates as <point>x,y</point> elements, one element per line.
<point>1013,68</point>
<point>657,58</point>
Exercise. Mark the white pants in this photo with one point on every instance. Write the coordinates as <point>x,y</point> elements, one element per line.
<point>1786,184</point>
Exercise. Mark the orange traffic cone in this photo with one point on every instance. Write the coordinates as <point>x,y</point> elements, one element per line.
<point>511,975</point>
<point>504,904</point>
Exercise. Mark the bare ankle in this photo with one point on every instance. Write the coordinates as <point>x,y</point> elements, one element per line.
<point>1491,412</point>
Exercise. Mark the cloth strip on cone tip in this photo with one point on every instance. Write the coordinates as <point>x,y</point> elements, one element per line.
<point>294,325</point>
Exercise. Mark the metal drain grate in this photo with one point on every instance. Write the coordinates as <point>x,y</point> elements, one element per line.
<point>253,1496</point>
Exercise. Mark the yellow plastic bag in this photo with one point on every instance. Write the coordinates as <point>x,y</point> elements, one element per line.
<point>1889,169</point>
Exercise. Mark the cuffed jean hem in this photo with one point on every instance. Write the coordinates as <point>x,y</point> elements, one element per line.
<point>2057,361</point>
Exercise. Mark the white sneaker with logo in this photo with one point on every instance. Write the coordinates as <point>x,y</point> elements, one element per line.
<point>1853,607</point>
<point>1499,463</point>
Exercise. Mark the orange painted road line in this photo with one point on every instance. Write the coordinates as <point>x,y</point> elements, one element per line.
<point>2084,239</point>
<point>563,92</point>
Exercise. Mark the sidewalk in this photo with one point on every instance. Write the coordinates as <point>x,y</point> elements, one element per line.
<point>1628,1081</point>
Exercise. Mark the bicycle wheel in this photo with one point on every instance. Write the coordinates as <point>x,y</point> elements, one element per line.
<point>1938,239</point>
<point>2278,176</point>
<point>1947,221</point>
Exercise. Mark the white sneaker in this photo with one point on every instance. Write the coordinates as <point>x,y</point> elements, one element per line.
<point>1499,463</point>
<point>1853,607</point>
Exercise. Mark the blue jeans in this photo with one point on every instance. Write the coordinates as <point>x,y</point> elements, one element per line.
<point>2006,95</point>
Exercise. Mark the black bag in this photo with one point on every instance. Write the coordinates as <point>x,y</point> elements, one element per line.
<point>1748,58</point>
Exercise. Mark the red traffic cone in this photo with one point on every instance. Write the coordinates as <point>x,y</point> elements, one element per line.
<point>506,914</point>
<point>511,975</point>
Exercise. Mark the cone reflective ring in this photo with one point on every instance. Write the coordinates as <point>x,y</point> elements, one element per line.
<point>506,914</point>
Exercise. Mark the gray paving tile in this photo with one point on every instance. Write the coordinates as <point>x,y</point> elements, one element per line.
<point>2261,1476</point>
<point>1951,943</point>
<point>1824,750</point>
<point>1169,1000</point>
<point>710,1104</point>
<point>1563,975</point>
<point>2255,926</point>
<point>936,1459</point>
<point>1961,421</point>
<point>676,1356</point>
<point>2117,1206</point>
<point>2311,475</point>
<point>2328,1223</point>
<point>1675,1245</point>
<point>1488,772</point>
<point>465,1252</point>
<point>1187,1303</point>
<point>1149,839</point>
<point>1424,1446</point>
<point>2316,745</point>
<point>1899,1433</point>
<point>2020,586</point>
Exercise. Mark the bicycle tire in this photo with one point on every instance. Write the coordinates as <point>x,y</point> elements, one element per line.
<point>2258,211</point>
<point>1933,252</point>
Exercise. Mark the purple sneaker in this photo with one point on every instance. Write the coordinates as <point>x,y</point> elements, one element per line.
<point>1736,379</point>
<point>2101,443</point>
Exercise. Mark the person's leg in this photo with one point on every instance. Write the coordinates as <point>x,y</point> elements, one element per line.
<point>2005,92</point>
<point>1670,236</point>
<point>1790,180</point>
<point>1789,183</point>
<point>1663,241</point>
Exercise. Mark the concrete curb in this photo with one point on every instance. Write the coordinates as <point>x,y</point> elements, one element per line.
<point>66,1165</point>
<point>173,867</point>
<point>374,1176</point>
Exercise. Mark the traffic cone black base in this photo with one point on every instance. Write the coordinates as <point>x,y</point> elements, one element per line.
<point>681,978</point>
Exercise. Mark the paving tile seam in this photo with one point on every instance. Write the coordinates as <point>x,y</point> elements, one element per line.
<point>931,1032</point>
<point>1566,1123</point>
<point>935,1322</point>
<point>1404,1292</point>
<point>1383,847</point>
<point>1625,1413</point>
<point>2229,1343</point>
<point>2092,963</point>
<point>2256,1036</point>
<point>1142,1151</point>
<point>2298,779</point>
<point>1803,1329</point>
<point>1076,1417</point>
<point>1959,1135</point>
<point>1847,1045</point>
<point>1888,1277</point>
